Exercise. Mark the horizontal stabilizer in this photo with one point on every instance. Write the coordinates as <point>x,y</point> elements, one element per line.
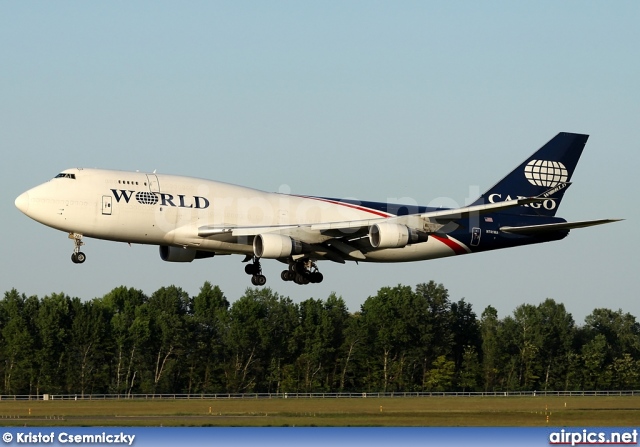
<point>532,229</point>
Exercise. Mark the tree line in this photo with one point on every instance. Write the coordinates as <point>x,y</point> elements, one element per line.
<point>401,339</point>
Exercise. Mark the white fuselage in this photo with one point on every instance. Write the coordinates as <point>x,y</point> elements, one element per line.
<point>162,209</point>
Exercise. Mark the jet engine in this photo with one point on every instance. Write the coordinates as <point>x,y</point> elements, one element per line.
<point>179,254</point>
<point>274,246</point>
<point>389,235</point>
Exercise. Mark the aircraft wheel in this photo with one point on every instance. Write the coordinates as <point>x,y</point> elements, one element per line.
<point>250,269</point>
<point>258,280</point>
<point>301,279</point>
<point>285,276</point>
<point>81,257</point>
<point>316,277</point>
<point>74,258</point>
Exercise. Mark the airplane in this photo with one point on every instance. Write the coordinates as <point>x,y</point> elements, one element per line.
<point>191,218</point>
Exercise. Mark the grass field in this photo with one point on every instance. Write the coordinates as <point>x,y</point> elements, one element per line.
<point>363,412</point>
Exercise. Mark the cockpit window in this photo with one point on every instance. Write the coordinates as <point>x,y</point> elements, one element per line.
<point>65,175</point>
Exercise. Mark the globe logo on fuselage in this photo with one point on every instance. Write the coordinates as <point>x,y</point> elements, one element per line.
<point>545,173</point>
<point>146,198</point>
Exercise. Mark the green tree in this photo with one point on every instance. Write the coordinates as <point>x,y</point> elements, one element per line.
<point>529,344</point>
<point>312,335</point>
<point>129,332</point>
<point>353,354</point>
<point>436,327</point>
<point>509,349</point>
<point>470,370</point>
<point>594,357</point>
<point>336,358</point>
<point>465,330</point>
<point>489,327</point>
<point>167,310</point>
<point>140,369</point>
<point>386,320</point>
<point>624,372</point>
<point>556,332</point>
<point>320,335</point>
<point>621,331</point>
<point>258,341</point>
<point>89,347</point>
<point>53,324</point>
<point>17,348</point>
<point>440,376</point>
<point>205,351</point>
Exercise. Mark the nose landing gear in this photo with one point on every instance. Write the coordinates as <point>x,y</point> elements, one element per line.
<point>77,257</point>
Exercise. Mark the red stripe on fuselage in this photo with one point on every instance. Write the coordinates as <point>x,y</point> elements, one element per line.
<point>350,205</point>
<point>452,244</point>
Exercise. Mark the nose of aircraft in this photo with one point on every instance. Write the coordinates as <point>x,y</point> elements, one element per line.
<point>22,202</point>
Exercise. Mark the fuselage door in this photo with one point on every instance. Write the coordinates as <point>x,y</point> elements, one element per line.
<point>475,236</point>
<point>154,184</point>
<point>106,205</point>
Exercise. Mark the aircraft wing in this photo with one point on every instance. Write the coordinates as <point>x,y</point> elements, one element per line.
<point>353,227</point>
<point>532,229</point>
<point>340,241</point>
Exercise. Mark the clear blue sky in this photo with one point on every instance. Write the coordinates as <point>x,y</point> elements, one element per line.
<point>429,101</point>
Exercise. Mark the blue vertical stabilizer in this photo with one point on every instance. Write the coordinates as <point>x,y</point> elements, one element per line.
<point>549,169</point>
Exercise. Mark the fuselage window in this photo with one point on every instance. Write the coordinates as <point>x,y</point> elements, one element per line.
<point>65,175</point>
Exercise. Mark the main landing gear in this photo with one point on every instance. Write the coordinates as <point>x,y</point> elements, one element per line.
<point>302,272</point>
<point>77,257</point>
<point>255,270</point>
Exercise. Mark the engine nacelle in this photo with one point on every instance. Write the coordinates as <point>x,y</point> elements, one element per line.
<point>179,254</point>
<point>274,246</point>
<point>389,235</point>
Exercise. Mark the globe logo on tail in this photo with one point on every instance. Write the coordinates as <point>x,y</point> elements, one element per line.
<point>545,173</point>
